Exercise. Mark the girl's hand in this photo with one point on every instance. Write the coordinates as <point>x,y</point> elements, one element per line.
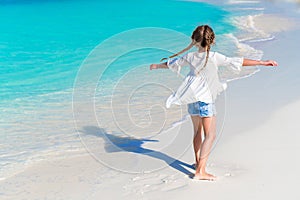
<point>153,66</point>
<point>159,66</point>
<point>269,63</point>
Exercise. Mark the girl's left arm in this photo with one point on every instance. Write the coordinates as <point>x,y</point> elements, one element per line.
<point>249,62</point>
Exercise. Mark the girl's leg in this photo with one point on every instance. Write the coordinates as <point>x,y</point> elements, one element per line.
<point>197,141</point>
<point>209,127</point>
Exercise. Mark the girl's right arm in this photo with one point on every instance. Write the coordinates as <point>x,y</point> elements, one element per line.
<point>249,62</point>
<point>159,66</point>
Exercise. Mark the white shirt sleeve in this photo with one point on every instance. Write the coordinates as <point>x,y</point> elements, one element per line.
<point>234,63</point>
<point>175,64</point>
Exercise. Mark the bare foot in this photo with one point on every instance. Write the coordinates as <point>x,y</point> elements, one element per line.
<point>205,176</point>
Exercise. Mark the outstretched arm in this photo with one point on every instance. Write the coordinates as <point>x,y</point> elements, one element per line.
<point>248,62</point>
<point>159,66</point>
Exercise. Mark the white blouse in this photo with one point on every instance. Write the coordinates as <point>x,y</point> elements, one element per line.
<point>201,84</point>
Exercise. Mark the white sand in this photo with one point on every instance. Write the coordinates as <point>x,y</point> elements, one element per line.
<point>256,157</point>
<point>261,163</point>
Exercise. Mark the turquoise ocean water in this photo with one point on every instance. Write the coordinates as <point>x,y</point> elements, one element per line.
<point>43,44</point>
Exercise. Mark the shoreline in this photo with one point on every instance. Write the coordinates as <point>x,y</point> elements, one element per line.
<point>234,161</point>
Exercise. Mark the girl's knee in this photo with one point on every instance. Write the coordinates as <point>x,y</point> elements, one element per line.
<point>211,136</point>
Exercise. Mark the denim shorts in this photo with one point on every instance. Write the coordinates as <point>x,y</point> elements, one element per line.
<point>202,109</point>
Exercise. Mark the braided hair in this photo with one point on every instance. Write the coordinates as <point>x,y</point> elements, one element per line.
<point>203,36</point>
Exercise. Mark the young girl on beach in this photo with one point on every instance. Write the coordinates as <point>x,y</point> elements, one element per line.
<point>200,89</point>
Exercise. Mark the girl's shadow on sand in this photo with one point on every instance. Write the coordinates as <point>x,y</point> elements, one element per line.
<point>115,143</point>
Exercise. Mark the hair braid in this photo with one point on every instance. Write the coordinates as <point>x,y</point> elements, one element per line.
<point>180,52</point>
<point>208,40</point>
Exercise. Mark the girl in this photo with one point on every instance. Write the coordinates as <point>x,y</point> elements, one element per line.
<point>200,89</point>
